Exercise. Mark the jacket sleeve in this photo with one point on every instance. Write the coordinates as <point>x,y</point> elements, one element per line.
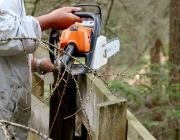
<point>15,23</point>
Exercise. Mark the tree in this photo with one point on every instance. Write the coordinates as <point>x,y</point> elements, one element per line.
<point>174,43</point>
<point>174,57</point>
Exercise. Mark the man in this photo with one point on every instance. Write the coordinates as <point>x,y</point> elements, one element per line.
<point>15,63</point>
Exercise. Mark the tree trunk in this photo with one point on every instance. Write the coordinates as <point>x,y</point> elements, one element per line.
<point>174,57</point>
<point>155,56</point>
<point>174,44</point>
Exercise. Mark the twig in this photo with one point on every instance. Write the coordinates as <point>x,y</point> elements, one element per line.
<point>72,114</point>
<point>109,13</point>
<point>8,134</point>
<point>26,128</point>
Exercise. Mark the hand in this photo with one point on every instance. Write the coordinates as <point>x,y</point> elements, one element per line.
<point>59,19</point>
<point>46,65</point>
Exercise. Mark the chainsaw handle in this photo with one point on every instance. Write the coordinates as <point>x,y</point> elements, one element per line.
<point>96,29</point>
<point>99,13</point>
<point>90,15</point>
<point>65,58</point>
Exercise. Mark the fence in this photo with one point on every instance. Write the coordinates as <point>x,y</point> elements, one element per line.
<point>103,116</point>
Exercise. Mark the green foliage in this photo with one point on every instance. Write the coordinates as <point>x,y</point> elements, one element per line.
<point>156,109</point>
<point>124,87</point>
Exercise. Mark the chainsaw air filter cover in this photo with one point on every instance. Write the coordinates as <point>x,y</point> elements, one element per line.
<point>78,35</point>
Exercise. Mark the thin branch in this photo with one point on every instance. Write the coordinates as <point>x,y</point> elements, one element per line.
<point>109,13</point>
<point>7,132</point>
<point>26,128</point>
<point>35,7</point>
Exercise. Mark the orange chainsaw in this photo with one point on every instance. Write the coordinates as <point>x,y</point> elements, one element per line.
<point>84,42</point>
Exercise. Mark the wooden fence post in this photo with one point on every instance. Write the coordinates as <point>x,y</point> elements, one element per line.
<point>106,113</point>
<point>63,129</point>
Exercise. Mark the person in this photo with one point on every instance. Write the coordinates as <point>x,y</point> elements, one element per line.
<point>15,61</point>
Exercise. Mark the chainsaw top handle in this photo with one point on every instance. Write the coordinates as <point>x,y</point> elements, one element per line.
<point>96,28</point>
<point>99,12</point>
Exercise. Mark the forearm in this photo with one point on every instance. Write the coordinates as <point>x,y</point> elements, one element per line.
<point>59,19</point>
<point>45,65</point>
<point>44,22</point>
<point>33,64</point>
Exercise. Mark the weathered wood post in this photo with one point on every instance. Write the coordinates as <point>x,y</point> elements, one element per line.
<point>105,117</point>
<point>63,129</point>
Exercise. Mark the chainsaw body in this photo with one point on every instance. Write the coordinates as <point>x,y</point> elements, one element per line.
<point>82,41</point>
<point>79,36</point>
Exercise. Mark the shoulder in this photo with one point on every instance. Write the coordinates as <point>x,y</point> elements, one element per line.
<point>12,7</point>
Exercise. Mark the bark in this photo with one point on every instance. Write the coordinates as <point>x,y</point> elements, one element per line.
<point>155,56</point>
<point>174,44</point>
<point>174,57</point>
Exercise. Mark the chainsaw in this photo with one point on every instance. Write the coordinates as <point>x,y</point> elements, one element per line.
<point>83,45</point>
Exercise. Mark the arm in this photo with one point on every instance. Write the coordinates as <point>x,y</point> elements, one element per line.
<point>59,19</point>
<point>45,65</point>
<point>15,23</point>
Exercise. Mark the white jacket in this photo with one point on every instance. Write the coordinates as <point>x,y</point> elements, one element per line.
<point>14,68</point>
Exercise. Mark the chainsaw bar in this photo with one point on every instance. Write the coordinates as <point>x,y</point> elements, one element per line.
<point>113,47</point>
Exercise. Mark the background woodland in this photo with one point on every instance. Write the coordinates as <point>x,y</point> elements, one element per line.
<point>149,31</point>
